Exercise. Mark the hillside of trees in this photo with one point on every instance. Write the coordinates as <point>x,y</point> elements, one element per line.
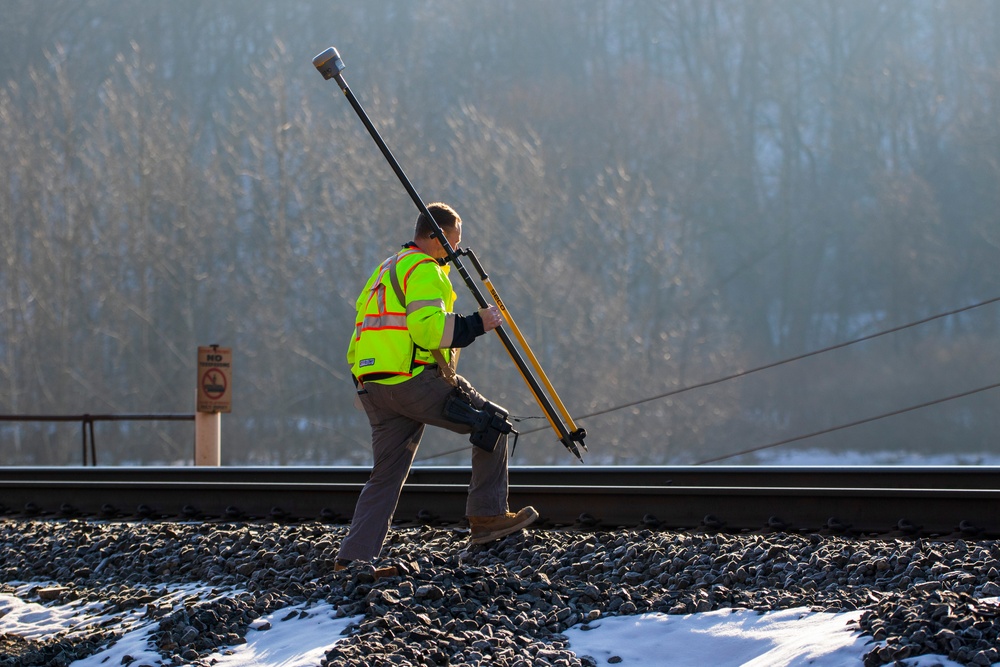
<point>663,193</point>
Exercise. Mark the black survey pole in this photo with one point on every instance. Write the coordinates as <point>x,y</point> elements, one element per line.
<point>331,66</point>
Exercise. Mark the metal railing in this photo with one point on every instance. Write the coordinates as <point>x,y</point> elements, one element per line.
<point>87,423</point>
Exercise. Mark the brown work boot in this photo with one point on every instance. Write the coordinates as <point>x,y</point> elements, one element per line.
<point>488,528</point>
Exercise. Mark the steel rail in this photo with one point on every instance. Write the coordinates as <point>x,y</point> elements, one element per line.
<point>941,477</point>
<point>956,500</point>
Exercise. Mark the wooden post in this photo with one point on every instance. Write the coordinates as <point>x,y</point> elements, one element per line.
<point>207,438</point>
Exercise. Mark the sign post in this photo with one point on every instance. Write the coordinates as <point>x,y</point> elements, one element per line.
<point>214,397</point>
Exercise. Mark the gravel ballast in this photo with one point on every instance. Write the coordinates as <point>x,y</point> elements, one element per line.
<point>505,604</point>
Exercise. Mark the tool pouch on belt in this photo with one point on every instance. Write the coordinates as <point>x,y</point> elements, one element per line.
<point>489,424</point>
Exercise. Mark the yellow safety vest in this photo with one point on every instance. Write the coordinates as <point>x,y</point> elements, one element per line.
<point>403,313</point>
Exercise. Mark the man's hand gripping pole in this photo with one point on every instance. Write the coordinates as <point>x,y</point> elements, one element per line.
<point>329,64</point>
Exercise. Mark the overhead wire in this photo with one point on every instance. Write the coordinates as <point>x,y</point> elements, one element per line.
<point>782,362</point>
<point>850,425</point>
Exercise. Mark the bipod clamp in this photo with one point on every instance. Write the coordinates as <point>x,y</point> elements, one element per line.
<point>330,65</point>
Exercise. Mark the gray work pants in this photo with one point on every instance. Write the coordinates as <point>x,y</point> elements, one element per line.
<point>397,414</point>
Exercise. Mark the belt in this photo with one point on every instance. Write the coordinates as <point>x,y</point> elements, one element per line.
<point>375,377</point>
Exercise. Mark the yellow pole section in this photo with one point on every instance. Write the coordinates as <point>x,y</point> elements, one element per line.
<point>531,357</point>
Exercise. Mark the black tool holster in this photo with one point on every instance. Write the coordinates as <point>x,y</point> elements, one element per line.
<point>489,423</point>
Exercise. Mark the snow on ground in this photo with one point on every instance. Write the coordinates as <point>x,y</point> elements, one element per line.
<point>723,638</point>
<point>300,641</point>
<point>840,459</point>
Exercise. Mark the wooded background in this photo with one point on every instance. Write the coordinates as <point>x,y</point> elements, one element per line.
<point>664,193</point>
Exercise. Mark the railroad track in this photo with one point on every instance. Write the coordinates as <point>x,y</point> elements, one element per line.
<point>958,501</point>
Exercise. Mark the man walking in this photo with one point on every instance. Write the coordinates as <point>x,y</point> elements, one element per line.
<point>402,355</point>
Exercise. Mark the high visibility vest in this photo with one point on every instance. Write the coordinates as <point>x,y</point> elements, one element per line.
<point>402,314</point>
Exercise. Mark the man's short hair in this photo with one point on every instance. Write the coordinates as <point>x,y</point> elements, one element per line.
<point>444,215</point>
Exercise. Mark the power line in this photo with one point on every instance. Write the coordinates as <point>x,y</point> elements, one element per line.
<point>775,364</point>
<point>782,362</point>
<point>855,423</point>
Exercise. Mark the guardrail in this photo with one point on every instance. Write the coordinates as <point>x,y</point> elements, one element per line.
<point>87,423</point>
